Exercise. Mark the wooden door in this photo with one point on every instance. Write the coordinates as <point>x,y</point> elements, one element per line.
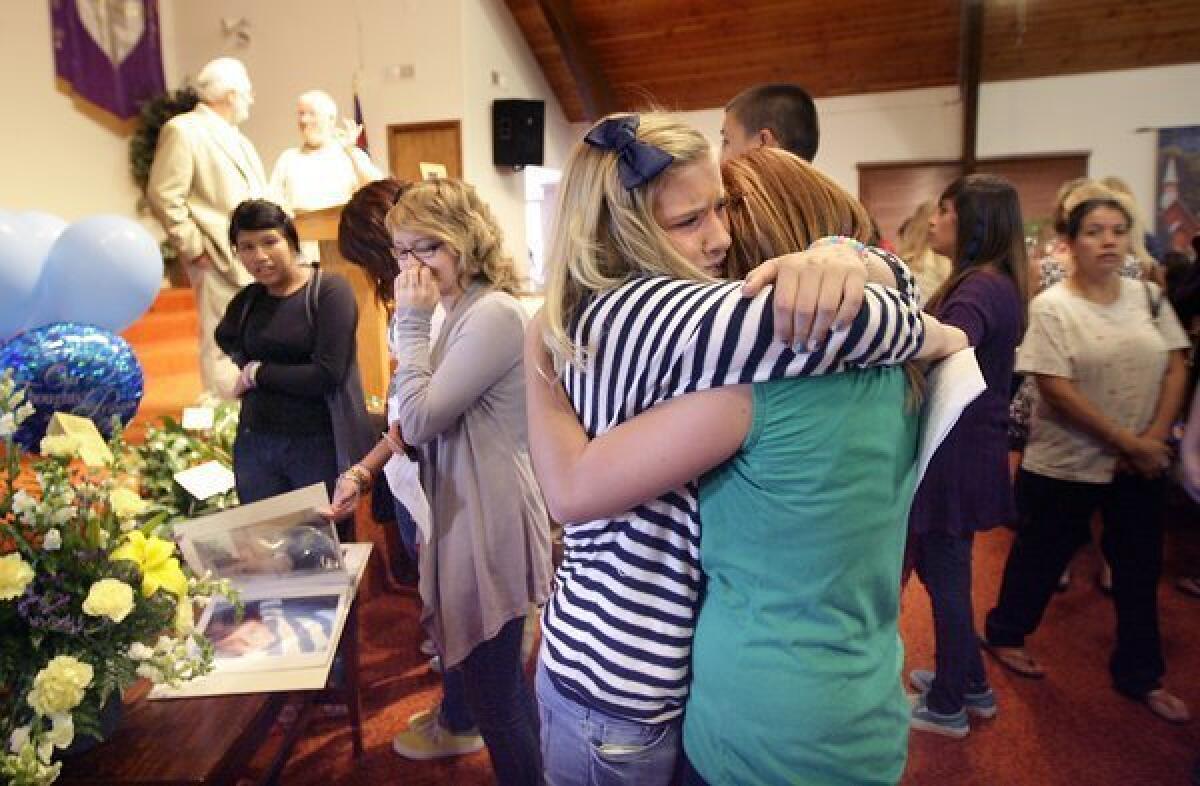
<point>891,192</point>
<point>411,144</point>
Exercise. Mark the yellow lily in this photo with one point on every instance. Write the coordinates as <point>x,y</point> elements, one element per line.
<point>156,558</point>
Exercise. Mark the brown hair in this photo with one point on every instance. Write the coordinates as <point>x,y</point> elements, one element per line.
<point>451,211</point>
<point>990,235</point>
<point>786,110</point>
<point>363,236</point>
<point>779,203</point>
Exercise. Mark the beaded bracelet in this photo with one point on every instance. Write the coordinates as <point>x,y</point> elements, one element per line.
<point>859,247</point>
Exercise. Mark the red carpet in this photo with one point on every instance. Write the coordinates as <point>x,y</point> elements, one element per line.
<point>1070,728</point>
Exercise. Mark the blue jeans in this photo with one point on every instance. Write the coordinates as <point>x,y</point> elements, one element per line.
<point>266,464</point>
<point>499,699</point>
<point>586,747</point>
<point>943,563</point>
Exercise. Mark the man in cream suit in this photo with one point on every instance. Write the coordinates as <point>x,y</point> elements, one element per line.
<point>203,168</point>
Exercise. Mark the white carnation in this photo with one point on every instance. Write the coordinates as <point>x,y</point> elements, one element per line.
<point>19,738</point>
<point>139,651</point>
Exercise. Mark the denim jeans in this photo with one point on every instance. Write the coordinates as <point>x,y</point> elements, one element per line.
<point>266,464</point>
<point>943,563</point>
<point>493,681</point>
<point>453,713</point>
<point>586,747</point>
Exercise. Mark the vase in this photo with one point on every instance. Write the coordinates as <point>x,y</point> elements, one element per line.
<point>110,718</point>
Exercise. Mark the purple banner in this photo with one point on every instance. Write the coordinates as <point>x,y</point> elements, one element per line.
<point>109,51</point>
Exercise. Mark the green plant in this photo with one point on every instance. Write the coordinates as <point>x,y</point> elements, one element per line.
<point>168,449</point>
<point>152,116</point>
<point>92,595</point>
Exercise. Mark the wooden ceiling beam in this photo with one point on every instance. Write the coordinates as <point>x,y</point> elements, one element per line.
<point>595,91</point>
<point>970,44</point>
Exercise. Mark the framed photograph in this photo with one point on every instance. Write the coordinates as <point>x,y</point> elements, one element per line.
<point>285,639</point>
<point>276,539</point>
<point>432,171</point>
<point>274,633</point>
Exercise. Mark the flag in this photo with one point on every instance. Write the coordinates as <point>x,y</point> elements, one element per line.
<point>109,51</point>
<point>358,121</point>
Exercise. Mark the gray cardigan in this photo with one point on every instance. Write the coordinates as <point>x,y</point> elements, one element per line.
<point>462,404</point>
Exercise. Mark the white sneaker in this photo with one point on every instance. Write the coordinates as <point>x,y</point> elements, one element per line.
<point>426,738</point>
<point>435,664</point>
<point>428,647</point>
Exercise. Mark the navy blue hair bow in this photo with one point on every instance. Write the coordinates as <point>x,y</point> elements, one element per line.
<point>637,162</point>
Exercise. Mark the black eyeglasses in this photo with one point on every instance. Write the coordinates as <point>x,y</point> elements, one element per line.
<point>423,251</point>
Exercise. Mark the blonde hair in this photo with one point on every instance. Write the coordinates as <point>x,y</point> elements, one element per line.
<point>1137,228</point>
<point>914,233</point>
<point>451,211</point>
<point>605,234</point>
<point>779,203</point>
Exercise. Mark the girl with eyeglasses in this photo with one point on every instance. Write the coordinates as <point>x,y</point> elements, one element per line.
<point>460,401</point>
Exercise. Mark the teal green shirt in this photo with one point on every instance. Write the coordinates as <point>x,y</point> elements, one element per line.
<point>797,658</point>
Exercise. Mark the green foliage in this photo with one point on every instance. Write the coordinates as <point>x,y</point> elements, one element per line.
<point>92,595</point>
<point>168,448</point>
<point>154,114</point>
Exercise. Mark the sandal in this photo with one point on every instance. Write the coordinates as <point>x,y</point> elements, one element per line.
<point>1167,706</point>
<point>1189,585</point>
<point>1015,659</point>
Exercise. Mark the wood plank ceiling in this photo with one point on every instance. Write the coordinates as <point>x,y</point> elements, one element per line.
<point>696,54</point>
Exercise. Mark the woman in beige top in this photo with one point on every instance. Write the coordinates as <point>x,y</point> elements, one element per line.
<point>1105,352</point>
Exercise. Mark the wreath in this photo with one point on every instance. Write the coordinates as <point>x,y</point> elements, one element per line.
<point>152,116</point>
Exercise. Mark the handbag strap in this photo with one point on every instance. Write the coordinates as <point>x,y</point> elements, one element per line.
<point>1153,303</point>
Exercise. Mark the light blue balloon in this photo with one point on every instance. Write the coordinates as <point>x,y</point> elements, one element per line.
<point>103,271</point>
<point>25,241</point>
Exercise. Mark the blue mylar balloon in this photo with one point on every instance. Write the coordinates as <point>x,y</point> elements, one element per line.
<point>79,369</point>
<point>25,241</point>
<point>103,271</point>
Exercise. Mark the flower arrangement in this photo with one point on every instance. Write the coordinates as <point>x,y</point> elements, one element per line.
<point>92,596</point>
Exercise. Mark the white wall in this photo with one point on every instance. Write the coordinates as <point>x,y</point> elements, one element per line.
<point>1099,113</point>
<point>53,158</point>
<point>492,43</point>
<point>905,125</point>
<point>298,45</point>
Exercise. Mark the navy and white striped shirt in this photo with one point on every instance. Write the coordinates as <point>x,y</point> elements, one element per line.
<point>618,627</point>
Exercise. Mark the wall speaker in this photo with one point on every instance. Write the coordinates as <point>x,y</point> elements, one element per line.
<point>518,129</point>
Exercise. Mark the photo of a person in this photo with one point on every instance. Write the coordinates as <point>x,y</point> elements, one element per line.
<point>274,627</point>
<point>274,547</point>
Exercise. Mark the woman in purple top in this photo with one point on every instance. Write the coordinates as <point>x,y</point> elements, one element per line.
<point>967,489</point>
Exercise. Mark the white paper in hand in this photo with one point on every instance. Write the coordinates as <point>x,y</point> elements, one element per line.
<point>404,480</point>
<point>206,480</point>
<point>953,384</point>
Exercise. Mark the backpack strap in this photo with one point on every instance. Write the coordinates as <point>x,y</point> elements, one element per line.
<point>311,297</point>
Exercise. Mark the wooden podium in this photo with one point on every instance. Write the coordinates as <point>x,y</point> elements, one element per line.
<point>373,359</point>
